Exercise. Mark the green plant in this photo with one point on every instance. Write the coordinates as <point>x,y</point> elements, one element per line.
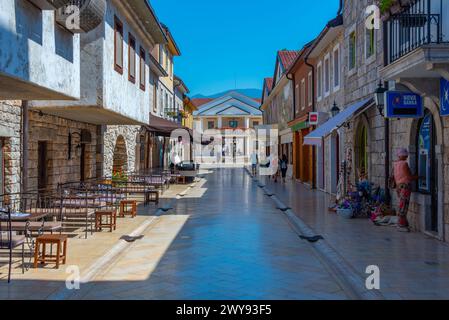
<point>385,5</point>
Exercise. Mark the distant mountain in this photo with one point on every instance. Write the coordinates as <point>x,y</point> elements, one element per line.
<point>252,93</point>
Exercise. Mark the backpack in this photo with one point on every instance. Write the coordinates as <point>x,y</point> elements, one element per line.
<point>283,164</point>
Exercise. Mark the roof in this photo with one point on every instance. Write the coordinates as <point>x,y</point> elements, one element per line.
<point>173,46</point>
<point>198,102</point>
<point>287,57</point>
<point>233,103</point>
<point>269,83</point>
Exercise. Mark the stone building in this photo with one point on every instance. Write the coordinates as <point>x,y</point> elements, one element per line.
<point>40,62</point>
<point>278,104</point>
<point>116,91</point>
<point>419,63</point>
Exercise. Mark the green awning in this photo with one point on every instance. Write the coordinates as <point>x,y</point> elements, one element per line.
<point>300,126</point>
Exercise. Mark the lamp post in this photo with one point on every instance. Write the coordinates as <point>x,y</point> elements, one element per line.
<point>379,97</point>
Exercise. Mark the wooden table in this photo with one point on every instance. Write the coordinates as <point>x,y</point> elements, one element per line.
<point>124,204</point>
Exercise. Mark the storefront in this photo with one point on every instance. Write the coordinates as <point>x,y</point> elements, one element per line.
<point>303,154</point>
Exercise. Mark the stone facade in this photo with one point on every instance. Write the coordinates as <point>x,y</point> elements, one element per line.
<point>114,138</point>
<point>10,132</point>
<point>360,83</point>
<point>61,167</point>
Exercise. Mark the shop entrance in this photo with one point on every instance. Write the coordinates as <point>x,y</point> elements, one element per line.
<point>427,169</point>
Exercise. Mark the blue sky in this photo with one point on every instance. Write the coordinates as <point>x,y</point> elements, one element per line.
<point>228,41</point>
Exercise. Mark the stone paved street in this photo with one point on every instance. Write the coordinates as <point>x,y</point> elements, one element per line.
<point>412,265</point>
<point>224,240</point>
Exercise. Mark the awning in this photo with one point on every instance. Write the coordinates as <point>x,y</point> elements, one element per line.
<point>315,138</point>
<point>163,127</point>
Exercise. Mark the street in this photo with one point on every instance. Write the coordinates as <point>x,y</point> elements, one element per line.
<point>224,240</point>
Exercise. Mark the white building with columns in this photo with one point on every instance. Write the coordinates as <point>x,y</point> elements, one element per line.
<point>230,120</point>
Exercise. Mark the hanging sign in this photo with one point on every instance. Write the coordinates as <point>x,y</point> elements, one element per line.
<point>401,104</point>
<point>313,118</point>
<point>444,98</point>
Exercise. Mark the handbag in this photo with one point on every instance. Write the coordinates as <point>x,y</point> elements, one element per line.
<point>392,183</point>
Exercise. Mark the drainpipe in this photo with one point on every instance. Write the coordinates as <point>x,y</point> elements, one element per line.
<point>340,8</point>
<point>25,139</point>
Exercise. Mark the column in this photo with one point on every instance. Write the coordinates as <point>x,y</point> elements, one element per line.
<point>220,123</point>
<point>247,123</point>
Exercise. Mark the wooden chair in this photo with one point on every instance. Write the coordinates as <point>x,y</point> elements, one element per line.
<point>110,220</point>
<point>128,207</point>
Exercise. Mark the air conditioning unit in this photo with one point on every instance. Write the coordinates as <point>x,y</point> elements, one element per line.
<point>80,16</point>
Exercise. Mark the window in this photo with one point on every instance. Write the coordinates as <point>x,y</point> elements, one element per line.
<point>161,55</point>
<point>210,124</point>
<point>142,68</point>
<point>155,94</point>
<point>233,124</point>
<point>118,46</point>
<point>370,42</point>
<point>310,89</point>
<point>327,75</point>
<point>303,94</point>
<point>298,95</point>
<point>166,59</point>
<point>255,123</point>
<point>131,58</point>
<point>319,71</point>
<point>336,68</point>
<point>352,50</point>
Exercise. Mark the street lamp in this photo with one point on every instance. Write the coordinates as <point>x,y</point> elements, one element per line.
<point>335,110</point>
<point>379,97</point>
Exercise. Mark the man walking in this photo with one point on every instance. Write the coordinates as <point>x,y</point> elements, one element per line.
<point>254,162</point>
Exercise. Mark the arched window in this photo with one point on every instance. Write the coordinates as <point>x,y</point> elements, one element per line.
<point>362,151</point>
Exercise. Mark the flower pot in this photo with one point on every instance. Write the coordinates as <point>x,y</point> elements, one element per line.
<point>345,213</point>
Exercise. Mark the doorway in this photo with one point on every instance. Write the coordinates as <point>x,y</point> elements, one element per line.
<point>42,168</point>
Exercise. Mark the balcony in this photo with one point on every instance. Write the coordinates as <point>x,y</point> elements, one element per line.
<point>418,41</point>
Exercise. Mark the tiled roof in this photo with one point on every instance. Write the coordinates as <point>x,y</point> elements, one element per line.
<point>288,57</point>
<point>198,102</point>
<point>269,83</point>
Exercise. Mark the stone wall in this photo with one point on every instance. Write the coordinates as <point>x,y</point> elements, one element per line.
<point>10,131</point>
<point>55,132</point>
<point>361,83</point>
<point>130,135</point>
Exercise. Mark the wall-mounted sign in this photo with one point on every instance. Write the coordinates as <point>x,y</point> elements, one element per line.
<point>403,105</point>
<point>313,118</point>
<point>444,99</point>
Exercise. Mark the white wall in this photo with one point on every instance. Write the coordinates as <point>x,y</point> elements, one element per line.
<point>36,50</point>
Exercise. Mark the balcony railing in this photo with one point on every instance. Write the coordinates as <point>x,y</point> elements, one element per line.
<point>420,24</point>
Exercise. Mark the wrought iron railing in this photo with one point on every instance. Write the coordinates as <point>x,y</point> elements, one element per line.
<point>418,25</point>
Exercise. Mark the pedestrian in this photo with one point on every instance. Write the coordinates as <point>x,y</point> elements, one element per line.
<point>283,165</point>
<point>254,162</point>
<point>402,180</point>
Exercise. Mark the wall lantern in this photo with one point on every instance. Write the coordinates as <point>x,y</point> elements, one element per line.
<point>335,110</point>
<point>379,97</point>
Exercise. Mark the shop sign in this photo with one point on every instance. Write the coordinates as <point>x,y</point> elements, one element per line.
<point>444,99</point>
<point>313,118</point>
<point>403,105</point>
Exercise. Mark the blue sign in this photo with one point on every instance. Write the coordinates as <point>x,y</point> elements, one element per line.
<point>401,104</point>
<point>444,99</point>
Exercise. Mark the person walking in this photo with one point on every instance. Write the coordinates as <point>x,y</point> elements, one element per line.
<point>254,162</point>
<point>283,165</point>
<point>402,179</point>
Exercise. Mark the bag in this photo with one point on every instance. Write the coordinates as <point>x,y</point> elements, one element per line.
<point>283,165</point>
<point>392,183</point>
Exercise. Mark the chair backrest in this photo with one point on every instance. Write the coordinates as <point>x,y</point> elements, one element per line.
<point>5,228</point>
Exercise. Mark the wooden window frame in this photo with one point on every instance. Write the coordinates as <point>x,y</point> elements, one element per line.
<point>131,44</point>
<point>118,26</point>
<point>142,60</point>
